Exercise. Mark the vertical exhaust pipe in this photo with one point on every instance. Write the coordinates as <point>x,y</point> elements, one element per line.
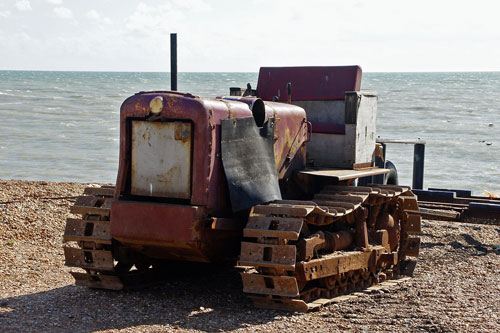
<point>173,62</point>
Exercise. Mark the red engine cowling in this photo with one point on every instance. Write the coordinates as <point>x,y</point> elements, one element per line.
<point>171,199</point>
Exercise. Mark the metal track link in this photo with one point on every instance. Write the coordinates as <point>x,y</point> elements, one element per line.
<point>92,234</point>
<point>275,278</point>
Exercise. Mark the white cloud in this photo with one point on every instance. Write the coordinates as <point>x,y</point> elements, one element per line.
<point>194,5</point>
<point>63,12</point>
<point>5,14</point>
<point>387,36</point>
<point>95,16</point>
<point>23,5</point>
<point>164,17</point>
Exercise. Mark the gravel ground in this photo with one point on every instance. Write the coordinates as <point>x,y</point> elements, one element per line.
<point>456,285</point>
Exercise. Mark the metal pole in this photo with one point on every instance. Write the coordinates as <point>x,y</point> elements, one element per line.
<point>173,62</point>
<point>418,166</point>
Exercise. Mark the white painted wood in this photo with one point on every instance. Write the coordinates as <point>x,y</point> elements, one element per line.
<point>161,159</point>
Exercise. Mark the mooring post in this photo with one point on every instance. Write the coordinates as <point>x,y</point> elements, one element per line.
<point>380,162</point>
<point>418,166</point>
<point>173,62</point>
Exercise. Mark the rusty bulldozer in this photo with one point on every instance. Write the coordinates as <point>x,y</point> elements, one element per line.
<point>276,182</point>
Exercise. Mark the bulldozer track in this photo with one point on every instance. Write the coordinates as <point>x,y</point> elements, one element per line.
<point>281,273</point>
<point>92,246</point>
<point>92,235</point>
<point>291,249</point>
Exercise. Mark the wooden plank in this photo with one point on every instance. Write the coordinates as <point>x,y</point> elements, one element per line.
<point>344,174</point>
<point>437,214</point>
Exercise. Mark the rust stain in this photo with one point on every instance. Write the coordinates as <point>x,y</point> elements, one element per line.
<point>172,102</point>
<point>182,132</point>
<point>170,176</point>
<point>140,107</point>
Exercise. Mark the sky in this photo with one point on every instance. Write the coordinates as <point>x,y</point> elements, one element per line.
<point>241,36</point>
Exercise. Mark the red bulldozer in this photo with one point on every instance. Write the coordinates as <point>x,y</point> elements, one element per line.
<point>267,179</point>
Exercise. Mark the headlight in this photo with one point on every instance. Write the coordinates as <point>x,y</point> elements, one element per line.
<point>156,105</point>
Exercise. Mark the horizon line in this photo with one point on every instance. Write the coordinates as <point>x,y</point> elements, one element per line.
<point>235,72</point>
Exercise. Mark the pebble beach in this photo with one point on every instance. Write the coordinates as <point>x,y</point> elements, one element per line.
<point>455,288</point>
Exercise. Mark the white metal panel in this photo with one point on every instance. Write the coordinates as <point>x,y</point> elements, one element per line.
<point>366,129</point>
<point>161,159</point>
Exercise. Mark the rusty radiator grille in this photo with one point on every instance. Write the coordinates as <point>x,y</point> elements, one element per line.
<point>161,159</point>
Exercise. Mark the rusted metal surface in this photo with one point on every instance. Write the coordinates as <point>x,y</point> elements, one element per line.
<point>277,227</point>
<point>105,191</point>
<point>322,241</point>
<point>412,223</point>
<point>270,285</point>
<point>155,223</point>
<point>339,261</point>
<point>172,197</point>
<point>338,240</point>
<point>161,159</point>
<point>207,172</point>
<point>109,266</point>
<point>309,246</point>
<point>91,205</point>
<point>309,83</point>
<point>174,232</point>
<point>111,282</point>
<point>93,236</point>
<point>81,230</point>
<point>89,259</point>
<point>267,255</point>
<point>291,134</point>
<point>361,238</point>
<point>222,223</point>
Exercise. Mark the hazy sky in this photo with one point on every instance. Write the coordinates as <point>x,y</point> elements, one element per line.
<point>241,36</point>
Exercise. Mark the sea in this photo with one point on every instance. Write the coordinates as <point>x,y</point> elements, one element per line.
<point>64,126</point>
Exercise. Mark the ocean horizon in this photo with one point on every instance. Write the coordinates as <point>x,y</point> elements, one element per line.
<point>63,125</point>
